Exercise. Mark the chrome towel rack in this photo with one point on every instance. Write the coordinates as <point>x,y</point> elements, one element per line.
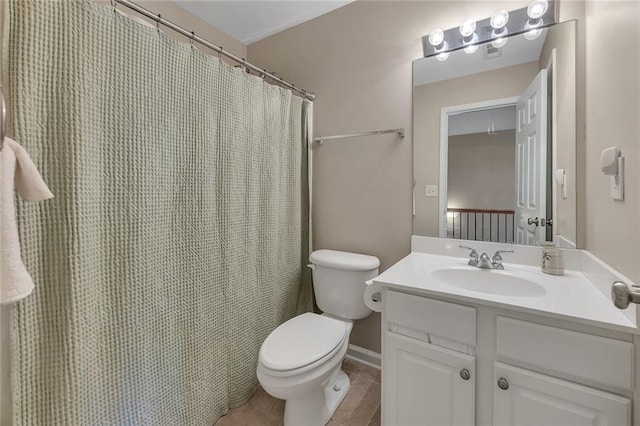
<point>3,115</point>
<point>399,132</point>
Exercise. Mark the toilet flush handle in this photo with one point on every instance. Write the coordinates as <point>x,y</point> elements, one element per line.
<point>311,266</point>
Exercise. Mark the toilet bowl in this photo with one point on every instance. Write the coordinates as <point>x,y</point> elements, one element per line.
<point>301,360</point>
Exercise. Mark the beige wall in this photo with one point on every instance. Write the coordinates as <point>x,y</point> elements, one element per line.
<point>358,59</point>
<point>562,38</point>
<point>613,119</point>
<point>470,182</point>
<point>428,99</point>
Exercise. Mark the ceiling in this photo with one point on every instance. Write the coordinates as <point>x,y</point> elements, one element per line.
<point>249,21</point>
<point>503,118</point>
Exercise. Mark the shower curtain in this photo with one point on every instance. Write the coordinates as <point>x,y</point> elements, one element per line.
<point>178,234</point>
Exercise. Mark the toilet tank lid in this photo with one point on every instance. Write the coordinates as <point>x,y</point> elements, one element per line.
<point>344,260</point>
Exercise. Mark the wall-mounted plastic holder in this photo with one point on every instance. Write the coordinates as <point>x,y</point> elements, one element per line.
<point>612,164</point>
<point>561,180</point>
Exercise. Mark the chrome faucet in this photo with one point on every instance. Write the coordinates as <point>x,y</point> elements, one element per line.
<point>473,256</point>
<point>483,261</point>
<point>496,260</point>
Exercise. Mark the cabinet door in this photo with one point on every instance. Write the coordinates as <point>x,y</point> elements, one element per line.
<point>534,399</point>
<point>424,384</point>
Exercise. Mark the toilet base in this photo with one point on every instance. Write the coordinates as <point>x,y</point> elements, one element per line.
<point>316,408</point>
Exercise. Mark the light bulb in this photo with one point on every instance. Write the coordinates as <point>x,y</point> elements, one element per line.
<point>537,8</point>
<point>436,37</point>
<point>499,19</point>
<point>532,23</point>
<point>442,56</point>
<point>467,28</point>
<point>473,48</point>
<point>471,43</point>
<point>444,46</point>
<point>472,39</point>
<point>533,34</point>
<point>499,33</point>
<point>499,42</point>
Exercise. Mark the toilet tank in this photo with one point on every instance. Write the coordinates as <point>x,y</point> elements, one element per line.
<point>339,282</point>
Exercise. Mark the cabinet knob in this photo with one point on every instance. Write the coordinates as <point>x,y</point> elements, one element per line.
<point>503,383</point>
<point>465,374</point>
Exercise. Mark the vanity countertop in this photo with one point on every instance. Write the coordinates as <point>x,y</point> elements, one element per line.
<point>571,296</point>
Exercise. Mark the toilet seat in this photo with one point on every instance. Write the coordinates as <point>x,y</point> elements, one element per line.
<point>302,341</point>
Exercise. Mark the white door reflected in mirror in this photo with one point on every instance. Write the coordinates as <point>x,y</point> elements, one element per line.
<point>531,162</point>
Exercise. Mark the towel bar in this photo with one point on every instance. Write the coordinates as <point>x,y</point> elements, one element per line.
<point>399,131</point>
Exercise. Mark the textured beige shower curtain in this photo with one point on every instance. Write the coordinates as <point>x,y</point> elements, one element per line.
<point>178,236</point>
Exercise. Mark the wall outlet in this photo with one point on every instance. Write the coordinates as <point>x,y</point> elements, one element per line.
<point>432,191</point>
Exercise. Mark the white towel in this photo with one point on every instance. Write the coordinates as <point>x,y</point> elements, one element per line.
<point>17,173</point>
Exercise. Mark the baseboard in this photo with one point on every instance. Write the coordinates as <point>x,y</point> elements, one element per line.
<point>365,356</point>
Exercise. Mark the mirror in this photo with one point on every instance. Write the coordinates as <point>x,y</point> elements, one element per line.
<point>495,141</point>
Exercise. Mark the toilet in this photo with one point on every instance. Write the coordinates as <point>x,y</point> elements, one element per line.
<point>301,360</point>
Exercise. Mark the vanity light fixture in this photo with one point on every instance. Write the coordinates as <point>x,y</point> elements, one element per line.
<point>496,29</point>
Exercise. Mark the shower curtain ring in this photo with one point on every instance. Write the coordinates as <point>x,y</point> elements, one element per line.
<point>114,4</point>
<point>220,52</point>
<point>193,35</point>
<point>158,22</point>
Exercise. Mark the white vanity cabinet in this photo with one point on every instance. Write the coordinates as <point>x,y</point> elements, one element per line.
<point>424,381</point>
<point>522,397</point>
<point>445,363</point>
<point>427,376</point>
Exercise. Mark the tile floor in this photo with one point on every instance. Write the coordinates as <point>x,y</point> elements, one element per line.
<point>361,407</point>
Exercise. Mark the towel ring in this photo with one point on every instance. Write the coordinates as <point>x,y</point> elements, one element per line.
<point>3,116</point>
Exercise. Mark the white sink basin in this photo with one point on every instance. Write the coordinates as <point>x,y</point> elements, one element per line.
<point>488,281</point>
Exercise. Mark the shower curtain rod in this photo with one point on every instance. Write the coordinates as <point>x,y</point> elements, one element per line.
<point>193,37</point>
